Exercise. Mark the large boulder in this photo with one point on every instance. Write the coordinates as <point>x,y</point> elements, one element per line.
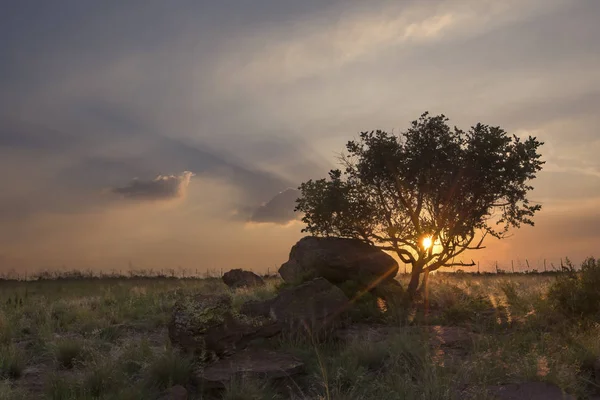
<point>207,327</point>
<point>338,260</point>
<point>237,278</point>
<point>311,306</point>
<point>252,364</point>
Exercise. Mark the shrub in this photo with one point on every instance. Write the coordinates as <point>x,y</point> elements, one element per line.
<point>68,351</point>
<point>248,389</point>
<point>11,362</point>
<point>134,357</point>
<point>170,369</point>
<point>9,392</point>
<point>59,388</point>
<point>576,294</point>
<point>100,380</point>
<point>111,333</point>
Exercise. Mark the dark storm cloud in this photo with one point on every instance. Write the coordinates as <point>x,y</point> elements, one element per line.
<point>163,187</point>
<point>278,210</point>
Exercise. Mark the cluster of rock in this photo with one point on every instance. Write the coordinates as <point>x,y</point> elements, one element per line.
<point>223,337</point>
<point>209,328</point>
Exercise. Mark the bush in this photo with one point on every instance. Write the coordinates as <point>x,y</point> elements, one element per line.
<point>11,362</point>
<point>170,369</point>
<point>68,351</point>
<point>576,294</point>
<point>59,388</point>
<point>101,379</point>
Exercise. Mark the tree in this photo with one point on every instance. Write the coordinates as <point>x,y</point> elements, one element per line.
<point>429,194</point>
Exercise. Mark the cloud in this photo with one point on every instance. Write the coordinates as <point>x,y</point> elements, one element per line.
<point>285,54</point>
<point>255,97</point>
<point>278,210</point>
<point>163,187</point>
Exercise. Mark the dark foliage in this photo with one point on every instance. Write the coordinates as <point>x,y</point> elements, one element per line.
<point>576,293</point>
<point>432,181</point>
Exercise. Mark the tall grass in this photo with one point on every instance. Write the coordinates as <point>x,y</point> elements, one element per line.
<point>106,338</point>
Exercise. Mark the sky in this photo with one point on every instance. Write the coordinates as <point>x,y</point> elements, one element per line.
<point>160,134</point>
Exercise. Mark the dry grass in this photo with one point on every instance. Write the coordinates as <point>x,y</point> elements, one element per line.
<point>106,339</point>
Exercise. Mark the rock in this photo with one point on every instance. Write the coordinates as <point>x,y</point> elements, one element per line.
<point>311,306</point>
<point>207,327</point>
<point>250,363</point>
<point>338,260</point>
<point>176,392</point>
<point>257,308</point>
<point>237,278</point>
<point>529,391</point>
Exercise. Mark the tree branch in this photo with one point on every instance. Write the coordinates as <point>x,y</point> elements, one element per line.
<point>461,264</point>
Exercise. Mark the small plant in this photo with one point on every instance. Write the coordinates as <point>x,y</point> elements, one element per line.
<point>247,389</point>
<point>59,388</point>
<point>576,294</point>
<point>11,362</point>
<point>134,357</point>
<point>170,369</point>
<point>111,333</point>
<point>100,380</point>
<point>6,331</point>
<point>68,352</point>
<point>8,392</point>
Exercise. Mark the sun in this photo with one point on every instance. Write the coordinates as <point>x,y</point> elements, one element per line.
<point>427,242</point>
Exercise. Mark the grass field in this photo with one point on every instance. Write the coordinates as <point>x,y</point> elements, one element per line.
<point>107,339</point>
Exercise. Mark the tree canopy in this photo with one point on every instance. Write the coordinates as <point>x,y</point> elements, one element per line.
<point>428,194</point>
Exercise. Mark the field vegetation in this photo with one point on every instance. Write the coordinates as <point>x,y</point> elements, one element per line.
<point>84,338</point>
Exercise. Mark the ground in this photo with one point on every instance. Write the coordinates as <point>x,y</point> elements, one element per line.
<point>107,339</point>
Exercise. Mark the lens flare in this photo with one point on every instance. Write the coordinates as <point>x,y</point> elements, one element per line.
<point>427,242</point>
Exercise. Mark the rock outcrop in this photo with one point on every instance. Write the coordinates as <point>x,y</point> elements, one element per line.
<point>207,327</point>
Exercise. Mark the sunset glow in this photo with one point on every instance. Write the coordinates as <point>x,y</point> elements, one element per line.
<point>427,242</point>
<point>183,145</point>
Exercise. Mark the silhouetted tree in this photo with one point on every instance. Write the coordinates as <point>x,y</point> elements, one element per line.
<point>432,184</point>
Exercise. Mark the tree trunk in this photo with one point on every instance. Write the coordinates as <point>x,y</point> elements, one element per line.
<point>415,275</point>
<point>424,290</point>
<point>424,283</point>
